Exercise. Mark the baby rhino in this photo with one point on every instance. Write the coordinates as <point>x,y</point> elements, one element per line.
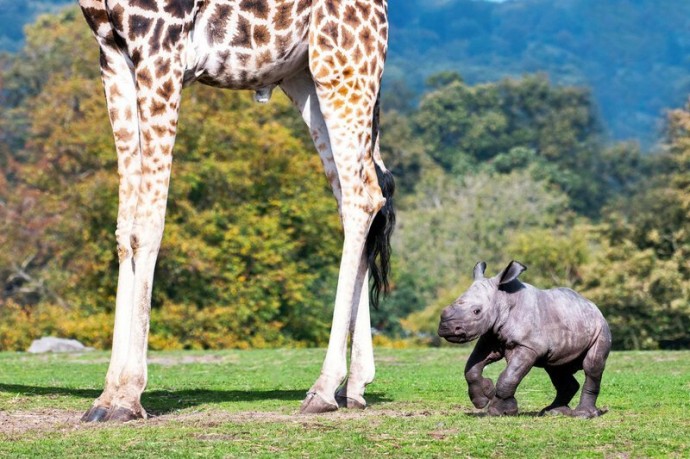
<point>556,329</point>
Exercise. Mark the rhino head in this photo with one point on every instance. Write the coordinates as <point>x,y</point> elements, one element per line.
<point>476,310</point>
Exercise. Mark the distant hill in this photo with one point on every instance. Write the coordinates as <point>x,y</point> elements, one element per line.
<point>634,54</point>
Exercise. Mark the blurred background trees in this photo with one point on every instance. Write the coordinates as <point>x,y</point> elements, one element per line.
<point>518,168</point>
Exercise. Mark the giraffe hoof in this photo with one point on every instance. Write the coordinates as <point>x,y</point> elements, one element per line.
<point>121,414</point>
<point>350,403</point>
<point>95,414</point>
<point>315,404</point>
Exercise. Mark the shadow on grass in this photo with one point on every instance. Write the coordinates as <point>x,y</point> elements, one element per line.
<point>165,401</point>
<point>526,414</point>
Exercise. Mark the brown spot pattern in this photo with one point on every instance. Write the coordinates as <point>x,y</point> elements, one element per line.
<point>150,5</point>
<point>242,36</point>
<point>178,8</point>
<point>258,8</point>
<point>139,26</point>
<point>218,26</point>
<point>261,35</point>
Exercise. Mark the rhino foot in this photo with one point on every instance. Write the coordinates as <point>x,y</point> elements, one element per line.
<point>588,413</point>
<point>556,411</point>
<point>482,393</point>
<point>503,407</point>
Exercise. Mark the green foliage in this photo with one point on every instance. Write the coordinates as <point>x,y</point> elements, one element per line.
<point>642,278</point>
<point>553,259</point>
<point>252,239</point>
<point>520,123</point>
<point>441,79</point>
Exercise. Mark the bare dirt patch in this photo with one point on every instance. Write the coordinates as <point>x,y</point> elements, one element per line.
<point>20,424</point>
<point>213,418</point>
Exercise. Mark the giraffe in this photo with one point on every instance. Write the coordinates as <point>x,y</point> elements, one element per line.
<point>327,56</point>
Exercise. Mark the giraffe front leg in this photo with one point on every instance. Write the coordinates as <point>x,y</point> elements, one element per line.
<point>143,112</point>
<point>120,90</point>
<point>158,101</point>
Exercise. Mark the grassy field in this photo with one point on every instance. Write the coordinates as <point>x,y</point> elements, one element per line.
<point>245,404</point>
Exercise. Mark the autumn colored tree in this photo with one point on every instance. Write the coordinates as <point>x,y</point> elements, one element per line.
<point>252,241</point>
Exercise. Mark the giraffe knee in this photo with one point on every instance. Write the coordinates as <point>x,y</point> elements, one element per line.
<point>368,195</point>
<point>123,252</point>
<point>124,246</point>
<point>146,238</point>
<point>376,199</point>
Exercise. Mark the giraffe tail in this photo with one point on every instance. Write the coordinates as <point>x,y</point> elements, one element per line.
<point>378,244</point>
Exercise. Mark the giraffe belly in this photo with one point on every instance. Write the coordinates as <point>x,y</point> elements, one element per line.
<point>238,48</point>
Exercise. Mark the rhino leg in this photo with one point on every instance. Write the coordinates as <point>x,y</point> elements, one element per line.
<point>481,389</point>
<point>520,362</point>
<point>566,387</point>
<point>593,366</point>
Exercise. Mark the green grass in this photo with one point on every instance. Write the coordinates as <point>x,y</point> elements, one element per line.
<point>245,404</point>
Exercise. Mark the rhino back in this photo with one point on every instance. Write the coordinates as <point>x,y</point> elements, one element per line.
<point>559,324</point>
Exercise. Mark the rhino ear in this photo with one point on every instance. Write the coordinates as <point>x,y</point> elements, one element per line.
<point>512,271</point>
<point>479,269</point>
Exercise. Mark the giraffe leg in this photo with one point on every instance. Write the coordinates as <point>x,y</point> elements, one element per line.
<point>120,90</point>
<point>362,365</point>
<point>361,199</point>
<point>158,111</point>
<point>147,81</point>
<point>302,91</point>
<point>320,397</point>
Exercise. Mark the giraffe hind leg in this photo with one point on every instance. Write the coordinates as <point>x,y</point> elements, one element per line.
<point>361,200</point>
<point>362,365</point>
<point>302,91</point>
<point>347,47</point>
<point>376,262</point>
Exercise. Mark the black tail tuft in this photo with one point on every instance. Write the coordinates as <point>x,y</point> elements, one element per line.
<point>378,245</point>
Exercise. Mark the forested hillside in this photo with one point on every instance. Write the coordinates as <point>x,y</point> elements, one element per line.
<point>510,169</point>
<point>633,54</point>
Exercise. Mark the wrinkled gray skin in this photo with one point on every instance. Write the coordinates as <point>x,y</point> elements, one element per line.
<point>555,329</point>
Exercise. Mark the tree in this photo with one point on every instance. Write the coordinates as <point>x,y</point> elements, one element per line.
<point>527,123</point>
<point>252,241</point>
